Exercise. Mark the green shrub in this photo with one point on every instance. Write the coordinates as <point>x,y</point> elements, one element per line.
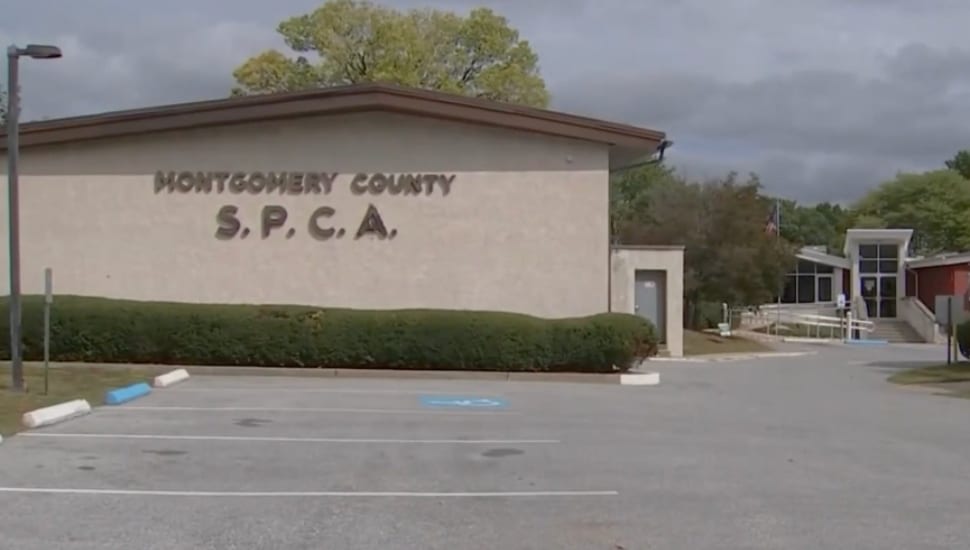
<point>122,331</point>
<point>963,338</point>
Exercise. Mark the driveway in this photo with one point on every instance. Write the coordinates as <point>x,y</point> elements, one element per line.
<point>795,453</point>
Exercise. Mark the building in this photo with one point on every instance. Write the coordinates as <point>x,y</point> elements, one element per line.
<point>881,281</point>
<point>366,196</point>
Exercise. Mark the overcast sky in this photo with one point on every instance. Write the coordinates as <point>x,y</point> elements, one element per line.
<point>822,98</point>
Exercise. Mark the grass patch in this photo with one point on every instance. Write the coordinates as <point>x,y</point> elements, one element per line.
<point>937,374</point>
<point>66,384</point>
<point>705,343</point>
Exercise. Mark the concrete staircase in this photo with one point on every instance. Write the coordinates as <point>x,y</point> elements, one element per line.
<point>894,331</point>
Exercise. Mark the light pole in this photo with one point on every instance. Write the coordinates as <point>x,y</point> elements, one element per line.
<point>36,51</point>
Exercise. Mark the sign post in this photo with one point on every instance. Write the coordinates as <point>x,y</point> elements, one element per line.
<point>949,333</point>
<point>949,312</point>
<point>48,298</point>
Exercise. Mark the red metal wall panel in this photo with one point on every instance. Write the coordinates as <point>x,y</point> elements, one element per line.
<point>930,282</point>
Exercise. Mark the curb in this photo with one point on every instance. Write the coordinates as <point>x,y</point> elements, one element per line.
<point>56,413</point>
<point>640,379</point>
<point>715,358</point>
<point>806,340</point>
<point>867,342</point>
<point>170,378</point>
<point>159,371</point>
<point>118,396</point>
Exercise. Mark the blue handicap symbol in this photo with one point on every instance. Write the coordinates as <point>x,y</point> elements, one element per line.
<point>464,402</point>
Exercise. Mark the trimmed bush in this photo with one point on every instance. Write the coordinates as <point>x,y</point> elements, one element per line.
<point>963,338</point>
<point>98,330</point>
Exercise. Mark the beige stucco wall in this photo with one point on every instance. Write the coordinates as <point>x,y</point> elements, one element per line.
<point>523,228</point>
<point>626,261</point>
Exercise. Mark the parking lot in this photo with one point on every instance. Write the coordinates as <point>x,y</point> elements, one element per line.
<point>808,452</point>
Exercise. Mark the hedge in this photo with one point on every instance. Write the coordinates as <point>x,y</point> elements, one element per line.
<point>98,330</point>
<point>963,338</point>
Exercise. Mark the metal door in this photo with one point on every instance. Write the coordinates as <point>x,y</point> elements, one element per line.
<point>649,299</point>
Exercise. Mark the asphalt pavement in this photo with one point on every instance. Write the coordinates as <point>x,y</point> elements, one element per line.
<point>803,452</point>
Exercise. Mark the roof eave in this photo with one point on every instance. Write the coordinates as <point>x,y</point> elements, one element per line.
<point>938,261</point>
<point>821,258</point>
<point>342,100</point>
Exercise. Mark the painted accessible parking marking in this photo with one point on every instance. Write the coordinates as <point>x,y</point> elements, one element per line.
<point>463,402</point>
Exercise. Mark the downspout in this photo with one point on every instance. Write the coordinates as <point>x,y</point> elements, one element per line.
<point>611,241</point>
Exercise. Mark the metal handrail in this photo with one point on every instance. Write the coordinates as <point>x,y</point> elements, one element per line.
<point>779,316</point>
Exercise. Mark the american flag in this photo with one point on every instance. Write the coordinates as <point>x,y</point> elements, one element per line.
<point>773,223</point>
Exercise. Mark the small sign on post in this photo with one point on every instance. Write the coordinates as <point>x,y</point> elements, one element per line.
<point>48,299</point>
<point>949,312</point>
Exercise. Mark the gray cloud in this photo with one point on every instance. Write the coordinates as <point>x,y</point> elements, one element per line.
<point>823,99</point>
<point>816,134</point>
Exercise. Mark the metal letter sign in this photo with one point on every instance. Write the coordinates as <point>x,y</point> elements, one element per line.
<point>463,402</point>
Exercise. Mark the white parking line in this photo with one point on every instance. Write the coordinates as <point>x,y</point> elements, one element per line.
<point>450,412</point>
<point>290,439</point>
<point>304,494</point>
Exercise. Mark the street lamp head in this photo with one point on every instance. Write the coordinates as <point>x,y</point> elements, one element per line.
<point>42,51</point>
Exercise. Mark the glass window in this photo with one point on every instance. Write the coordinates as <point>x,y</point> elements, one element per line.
<point>887,308</point>
<point>868,251</point>
<point>805,266</point>
<point>888,266</point>
<point>825,289</point>
<point>868,266</point>
<point>887,251</point>
<point>820,268</point>
<point>887,287</point>
<point>806,289</point>
<point>789,294</point>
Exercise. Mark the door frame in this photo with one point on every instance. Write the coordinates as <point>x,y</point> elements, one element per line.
<point>660,277</point>
<point>878,297</point>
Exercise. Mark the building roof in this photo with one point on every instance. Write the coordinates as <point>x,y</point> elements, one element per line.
<point>939,260</point>
<point>856,236</point>
<point>338,100</point>
<point>812,254</point>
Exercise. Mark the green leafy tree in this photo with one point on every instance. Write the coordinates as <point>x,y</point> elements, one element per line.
<point>960,163</point>
<point>728,257</point>
<point>819,224</point>
<point>352,41</point>
<point>631,194</point>
<point>936,205</point>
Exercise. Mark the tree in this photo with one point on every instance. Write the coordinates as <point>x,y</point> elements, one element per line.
<point>819,224</point>
<point>936,205</point>
<point>631,194</point>
<point>960,163</point>
<point>3,108</point>
<point>356,41</point>
<point>728,257</point>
